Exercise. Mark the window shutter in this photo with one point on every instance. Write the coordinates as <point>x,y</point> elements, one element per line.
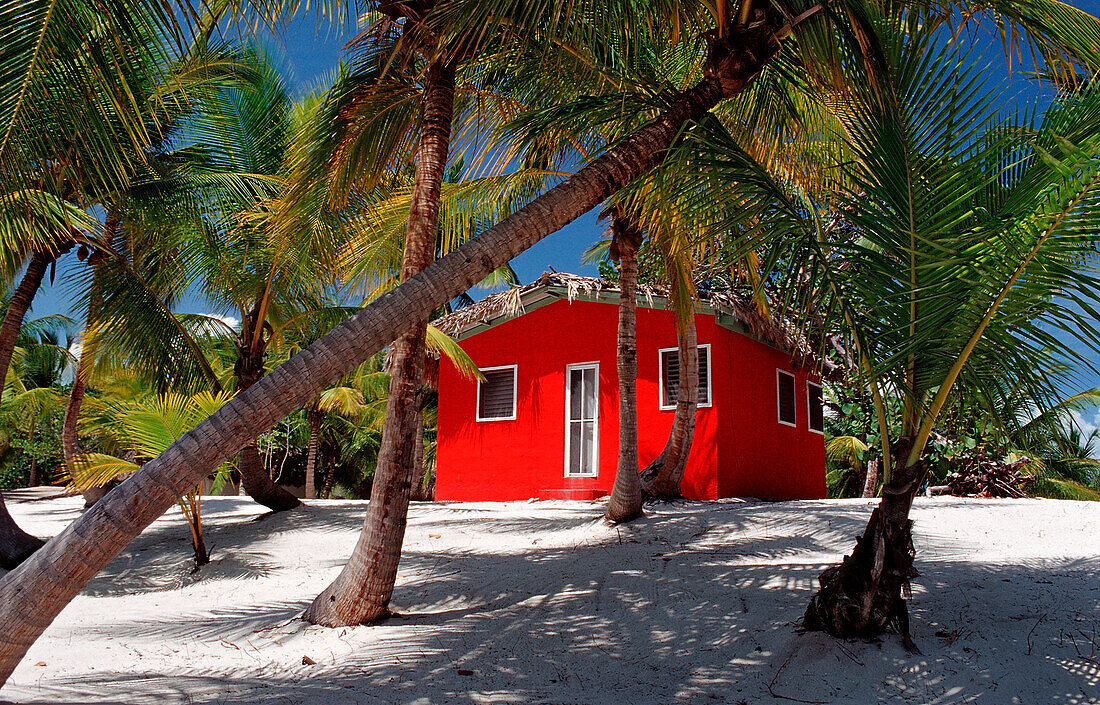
<point>704,369</point>
<point>816,420</point>
<point>670,366</point>
<point>785,392</point>
<point>670,371</point>
<point>496,396</point>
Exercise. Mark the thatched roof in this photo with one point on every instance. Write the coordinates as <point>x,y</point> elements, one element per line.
<point>733,310</point>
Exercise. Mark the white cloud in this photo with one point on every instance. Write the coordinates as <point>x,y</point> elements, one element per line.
<point>1088,422</point>
<point>231,321</point>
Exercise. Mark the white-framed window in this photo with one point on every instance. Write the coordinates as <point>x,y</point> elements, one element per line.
<point>582,419</point>
<point>669,376</point>
<point>815,411</point>
<point>784,397</point>
<point>496,395</point>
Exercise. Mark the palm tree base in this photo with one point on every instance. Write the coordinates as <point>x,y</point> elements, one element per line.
<point>16,545</point>
<point>863,596</point>
<point>617,514</point>
<point>662,490</point>
<point>328,610</point>
<point>257,483</point>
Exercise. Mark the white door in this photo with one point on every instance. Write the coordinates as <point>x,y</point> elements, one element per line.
<point>582,433</point>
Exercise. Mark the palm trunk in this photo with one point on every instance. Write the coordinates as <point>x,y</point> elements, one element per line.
<point>421,490</point>
<point>866,593</point>
<point>32,595</point>
<point>17,309</point>
<point>70,435</point>
<point>663,476</point>
<point>255,480</point>
<point>16,544</point>
<point>361,594</point>
<point>327,491</point>
<point>314,417</point>
<point>626,495</point>
<point>871,478</point>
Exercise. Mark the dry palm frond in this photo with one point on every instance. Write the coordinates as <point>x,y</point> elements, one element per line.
<point>770,329</point>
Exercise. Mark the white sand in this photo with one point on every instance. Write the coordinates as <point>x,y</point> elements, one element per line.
<point>694,603</point>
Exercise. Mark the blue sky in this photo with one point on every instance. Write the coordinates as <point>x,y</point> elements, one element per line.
<point>311,55</point>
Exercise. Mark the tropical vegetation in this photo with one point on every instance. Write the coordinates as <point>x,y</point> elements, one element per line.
<point>855,167</point>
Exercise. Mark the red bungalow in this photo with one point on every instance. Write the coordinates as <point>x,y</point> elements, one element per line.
<point>544,423</point>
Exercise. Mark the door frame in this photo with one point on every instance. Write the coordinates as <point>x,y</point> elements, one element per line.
<point>594,365</point>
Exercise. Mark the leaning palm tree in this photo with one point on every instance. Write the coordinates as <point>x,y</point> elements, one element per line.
<point>33,594</point>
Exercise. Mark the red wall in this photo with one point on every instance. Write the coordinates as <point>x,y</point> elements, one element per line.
<point>758,456</point>
<point>510,460</point>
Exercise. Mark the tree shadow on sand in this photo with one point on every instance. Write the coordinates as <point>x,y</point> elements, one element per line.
<point>686,606</point>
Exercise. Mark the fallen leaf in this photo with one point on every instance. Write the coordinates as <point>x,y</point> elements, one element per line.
<point>307,661</point>
<point>40,663</point>
<point>465,672</point>
<point>433,536</point>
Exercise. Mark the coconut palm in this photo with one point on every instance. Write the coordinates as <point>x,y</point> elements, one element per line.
<point>1033,189</point>
<point>968,228</point>
<point>139,246</point>
<point>79,115</point>
<point>31,397</point>
<point>426,70</point>
<point>70,121</point>
<point>78,182</point>
<point>737,53</point>
<point>626,495</point>
<point>226,242</point>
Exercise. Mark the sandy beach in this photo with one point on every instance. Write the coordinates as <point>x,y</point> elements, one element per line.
<point>543,603</point>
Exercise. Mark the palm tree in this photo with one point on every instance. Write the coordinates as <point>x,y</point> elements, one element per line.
<point>55,576</point>
<point>626,495</point>
<point>219,231</point>
<point>79,114</point>
<point>968,228</point>
<point>362,591</point>
<point>951,319</point>
<point>139,248</point>
<point>30,397</point>
<point>662,477</point>
<point>94,174</point>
